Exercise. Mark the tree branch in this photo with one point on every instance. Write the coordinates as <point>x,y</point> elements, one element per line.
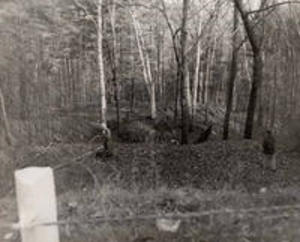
<point>271,6</point>
<point>88,16</point>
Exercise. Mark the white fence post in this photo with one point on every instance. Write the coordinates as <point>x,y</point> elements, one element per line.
<point>37,204</point>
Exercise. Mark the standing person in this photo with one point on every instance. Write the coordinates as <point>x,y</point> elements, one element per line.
<point>269,150</point>
<point>108,148</point>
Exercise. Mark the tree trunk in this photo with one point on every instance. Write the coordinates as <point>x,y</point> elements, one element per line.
<point>159,80</point>
<point>132,97</point>
<point>23,98</point>
<point>146,66</point>
<point>183,70</point>
<point>177,90</point>
<point>162,71</point>
<point>254,37</point>
<point>115,64</point>
<point>177,58</point>
<point>132,67</point>
<point>256,83</point>
<point>8,136</point>
<point>210,61</point>
<point>232,75</point>
<point>152,89</point>
<point>103,105</point>
<point>196,82</point>
<point>188,91</point>
<point>153,100</point>
<point>196,75</point>
<point>205,77</point>
<point>274,99</point>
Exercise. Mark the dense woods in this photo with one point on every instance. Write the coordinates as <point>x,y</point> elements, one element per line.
<point>62,58</point>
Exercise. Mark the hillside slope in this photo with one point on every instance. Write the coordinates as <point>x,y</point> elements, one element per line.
<point>209,166</point>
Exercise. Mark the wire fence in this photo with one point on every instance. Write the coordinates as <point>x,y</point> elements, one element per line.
<point>37,186</point>
<point>274,212</point>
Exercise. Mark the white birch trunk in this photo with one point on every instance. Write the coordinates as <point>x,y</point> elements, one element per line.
<point>103,107</point>
<point>196,74</point>
<point>152,89</point>
<point>153,101</point>
<point>139,45</point>
<point>188,91</point>
<point>146,66</point>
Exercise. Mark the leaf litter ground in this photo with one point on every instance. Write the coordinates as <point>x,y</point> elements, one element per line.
<point>148,179</point>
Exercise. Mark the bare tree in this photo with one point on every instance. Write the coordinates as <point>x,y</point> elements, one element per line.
<point>183,69</point>
<point>197,70</point>
<point>145,60</point>
<point>255,37</point>
<point>232,75</point>
<point>114,62</point>
<point>103,108</point>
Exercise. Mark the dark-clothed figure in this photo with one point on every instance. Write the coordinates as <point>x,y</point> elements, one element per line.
<point>108,150</point>
<point>269,150</point>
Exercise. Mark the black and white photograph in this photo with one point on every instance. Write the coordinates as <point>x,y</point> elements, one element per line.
<point>149,120</point>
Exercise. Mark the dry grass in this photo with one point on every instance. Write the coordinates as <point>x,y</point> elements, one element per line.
<point>111,202</point>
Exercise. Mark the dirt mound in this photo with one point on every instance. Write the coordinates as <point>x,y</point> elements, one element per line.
<point>146,130</point>
<point>136,131</point>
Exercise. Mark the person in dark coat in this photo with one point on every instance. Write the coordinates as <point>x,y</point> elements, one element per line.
<point>269,149</point>
<point>108,150</point>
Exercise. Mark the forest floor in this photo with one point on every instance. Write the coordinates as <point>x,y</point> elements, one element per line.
<point>218,190</point>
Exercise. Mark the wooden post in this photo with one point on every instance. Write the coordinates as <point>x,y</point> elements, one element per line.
<point>36,204</point>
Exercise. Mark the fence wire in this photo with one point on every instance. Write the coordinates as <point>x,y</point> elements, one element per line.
<point>241,213</point>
